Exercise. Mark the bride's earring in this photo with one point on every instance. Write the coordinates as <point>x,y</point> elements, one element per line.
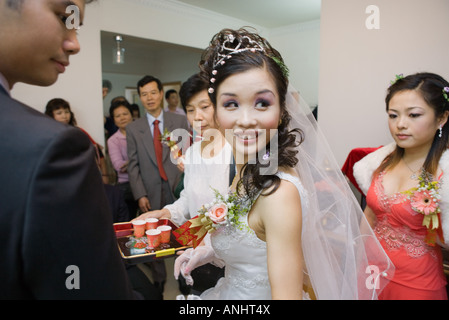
<point>441,132</point>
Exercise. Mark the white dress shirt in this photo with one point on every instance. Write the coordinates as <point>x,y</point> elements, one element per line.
<point>151,120</point>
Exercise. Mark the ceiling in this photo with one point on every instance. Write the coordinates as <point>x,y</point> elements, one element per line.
<point>140,53</point>
<point>265,13</point>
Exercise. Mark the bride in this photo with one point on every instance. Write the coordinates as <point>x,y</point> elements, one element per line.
<point>297,231</point>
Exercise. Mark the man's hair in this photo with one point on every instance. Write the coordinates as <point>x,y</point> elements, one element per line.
<point>169,92</point>
<point>146,80</point>
<point>107,84</point>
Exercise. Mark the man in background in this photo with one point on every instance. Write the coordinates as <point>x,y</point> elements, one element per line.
<point>172,98</point>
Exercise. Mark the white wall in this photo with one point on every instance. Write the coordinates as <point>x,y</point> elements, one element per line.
<point>357,64</point>
<point>299,45</point>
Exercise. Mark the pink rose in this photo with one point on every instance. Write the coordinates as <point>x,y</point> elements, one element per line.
<point>218,213</point>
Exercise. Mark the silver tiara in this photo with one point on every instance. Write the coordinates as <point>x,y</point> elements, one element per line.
<point>225,53</point>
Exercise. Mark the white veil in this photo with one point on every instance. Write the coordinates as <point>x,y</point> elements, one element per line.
<point>343,257</point>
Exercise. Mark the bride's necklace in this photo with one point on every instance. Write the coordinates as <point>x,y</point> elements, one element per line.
<point>413,175</point>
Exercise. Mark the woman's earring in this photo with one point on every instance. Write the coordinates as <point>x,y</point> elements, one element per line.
<point>441,132</point>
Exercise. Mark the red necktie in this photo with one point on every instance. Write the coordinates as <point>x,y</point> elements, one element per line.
<point>158,149</point>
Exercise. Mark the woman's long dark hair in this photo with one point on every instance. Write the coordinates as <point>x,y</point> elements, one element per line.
<point>430,86</point>
<point>271,60</point>
<point>56,104</point>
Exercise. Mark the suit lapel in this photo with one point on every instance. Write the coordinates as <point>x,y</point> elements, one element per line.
<point>3,90</point>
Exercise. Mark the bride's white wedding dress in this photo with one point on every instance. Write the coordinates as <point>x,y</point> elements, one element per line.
<point>245,257</point>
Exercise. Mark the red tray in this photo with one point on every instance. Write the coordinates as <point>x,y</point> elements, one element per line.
<point>124,233</point>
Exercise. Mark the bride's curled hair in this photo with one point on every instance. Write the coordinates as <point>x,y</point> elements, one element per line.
<point>236,51</point>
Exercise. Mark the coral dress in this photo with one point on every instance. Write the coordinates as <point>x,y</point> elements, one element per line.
<point>419,267</point>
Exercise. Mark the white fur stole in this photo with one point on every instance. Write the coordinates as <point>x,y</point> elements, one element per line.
<point>364,169</point>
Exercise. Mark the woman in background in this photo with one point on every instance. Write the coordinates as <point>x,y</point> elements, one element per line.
<point>59,109</point>
<point>207,164</point>
<point>121,113</point>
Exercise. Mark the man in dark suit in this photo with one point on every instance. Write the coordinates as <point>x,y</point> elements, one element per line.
<point>152,174</point>
<point>56,236</point>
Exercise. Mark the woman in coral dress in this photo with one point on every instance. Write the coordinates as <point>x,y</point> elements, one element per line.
<point>411,223</point>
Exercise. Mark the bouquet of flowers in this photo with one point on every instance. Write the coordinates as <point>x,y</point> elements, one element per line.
<point>425,200</point>
<point>223,211</point>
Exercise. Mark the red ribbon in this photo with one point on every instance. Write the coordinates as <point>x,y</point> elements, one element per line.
<point>186,234</point>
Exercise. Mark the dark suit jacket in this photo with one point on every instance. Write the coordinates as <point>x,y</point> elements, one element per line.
<point>53,212</point>
<point>119,209</point>
<point>143,171</point>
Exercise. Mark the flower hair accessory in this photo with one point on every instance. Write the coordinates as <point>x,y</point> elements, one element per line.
<point>446,93</point>
<point>425,199</point>
<point>223,211</point>
<point>398,77</point>
<point>282,65</point>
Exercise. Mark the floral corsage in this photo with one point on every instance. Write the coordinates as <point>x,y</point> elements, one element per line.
<point>223,211</point>
<point>168,139</point>
<point>425,199</point>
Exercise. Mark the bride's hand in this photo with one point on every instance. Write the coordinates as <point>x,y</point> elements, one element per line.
<point>194,258</point>
<point>180,265</point>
